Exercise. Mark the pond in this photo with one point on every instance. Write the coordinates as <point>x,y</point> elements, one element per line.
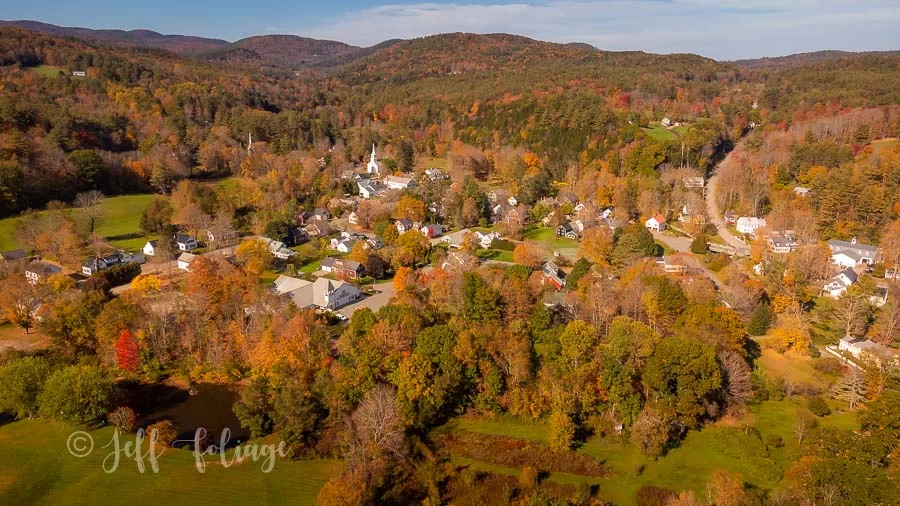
<point>206,405</point>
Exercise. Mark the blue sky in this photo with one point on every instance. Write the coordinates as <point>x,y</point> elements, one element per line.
<point>722,29</point>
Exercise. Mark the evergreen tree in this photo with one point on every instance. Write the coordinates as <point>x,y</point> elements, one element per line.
<point>760,320</point>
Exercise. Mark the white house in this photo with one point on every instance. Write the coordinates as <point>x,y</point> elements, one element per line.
<point>485,239</point>
<point>656,223</point>
<point>666,122</point>
<point>749,224</point>
<point>278,249</point>
<point>399,182</point>
<point>859,347</point>
<point>840,283</point>
<point>346,245</point>
<point>850,254</point>
<point>353,218</point>
<point>185,242</point>
<point>801,191</point>
<point>185,260</point>
<point>97,264</point>
<point>322,293</point>
<point>79,73</point>
<point>372,167</point>
<point>403,226</point>
<point>150,248</point>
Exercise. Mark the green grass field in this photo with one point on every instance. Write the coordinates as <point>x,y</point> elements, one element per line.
<point>660,133</point>
<point>547,236</point>
<point>47,70</point>
<point>36,468</point>
<point>120,223</point>
<point>688,466</point>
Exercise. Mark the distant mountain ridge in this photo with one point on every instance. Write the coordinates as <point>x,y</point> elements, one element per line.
<point>802,59</point>
<point>181,44</point>
<point>294,52</point>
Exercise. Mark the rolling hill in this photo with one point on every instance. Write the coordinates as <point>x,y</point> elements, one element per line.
<point>181,44</point>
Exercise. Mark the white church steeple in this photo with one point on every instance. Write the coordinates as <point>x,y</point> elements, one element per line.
<point>372,167</point>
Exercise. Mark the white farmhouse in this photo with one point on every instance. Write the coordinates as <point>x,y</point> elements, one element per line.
<point>749,224</point>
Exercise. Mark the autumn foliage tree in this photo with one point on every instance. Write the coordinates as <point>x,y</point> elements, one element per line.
<point>127,352</point>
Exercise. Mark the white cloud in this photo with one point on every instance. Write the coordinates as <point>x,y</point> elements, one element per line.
<point>723,29</point>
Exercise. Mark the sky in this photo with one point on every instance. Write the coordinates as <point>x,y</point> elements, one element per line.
<point>721,29</point>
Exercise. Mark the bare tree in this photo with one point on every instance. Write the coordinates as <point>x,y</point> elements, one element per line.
<point>804,425</point>
<point>852,311</point>
<point>375,430</point>
<point>887,325</point>
<point>91,204</point>
<point>738,384</point>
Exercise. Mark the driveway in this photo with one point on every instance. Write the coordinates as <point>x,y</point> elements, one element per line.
<point>715,214</point>
<point>683,245</point>
<point>373,302</point>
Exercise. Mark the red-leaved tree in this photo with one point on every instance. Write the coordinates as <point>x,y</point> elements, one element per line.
<point>127,351</point>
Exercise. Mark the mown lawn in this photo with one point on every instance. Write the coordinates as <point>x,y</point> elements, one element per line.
<point>36,468</point>
<point>120,223</point>
<point>548,237</point>
<point>660,133</point>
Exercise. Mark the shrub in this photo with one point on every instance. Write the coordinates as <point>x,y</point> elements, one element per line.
<point>828,365</point>
<point>166,432</point>
<point>818,406</point>
<point>774,441</point>
<point>878,270</point>
<point>120,274</point>
<point>649,495</point>
<point>122,418</point>
<point>698,245</point>
<point>528,479</point>
<point>77,393</point>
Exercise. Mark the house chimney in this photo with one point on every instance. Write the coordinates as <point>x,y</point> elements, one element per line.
<point>853,241</point>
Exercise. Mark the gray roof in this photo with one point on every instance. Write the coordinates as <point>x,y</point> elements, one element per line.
<point>14,254</point>
<point>851,275</point>
<point>849,247</point>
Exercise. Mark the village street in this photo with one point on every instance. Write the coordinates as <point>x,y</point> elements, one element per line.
<point>715,214</point>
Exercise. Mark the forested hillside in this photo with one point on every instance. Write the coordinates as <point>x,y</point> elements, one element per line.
<point>461,269</point>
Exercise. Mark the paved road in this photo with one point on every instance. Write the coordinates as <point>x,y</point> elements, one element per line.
<point>715,214</point>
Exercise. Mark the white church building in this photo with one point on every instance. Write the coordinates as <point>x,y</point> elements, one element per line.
<point>372,167</point>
